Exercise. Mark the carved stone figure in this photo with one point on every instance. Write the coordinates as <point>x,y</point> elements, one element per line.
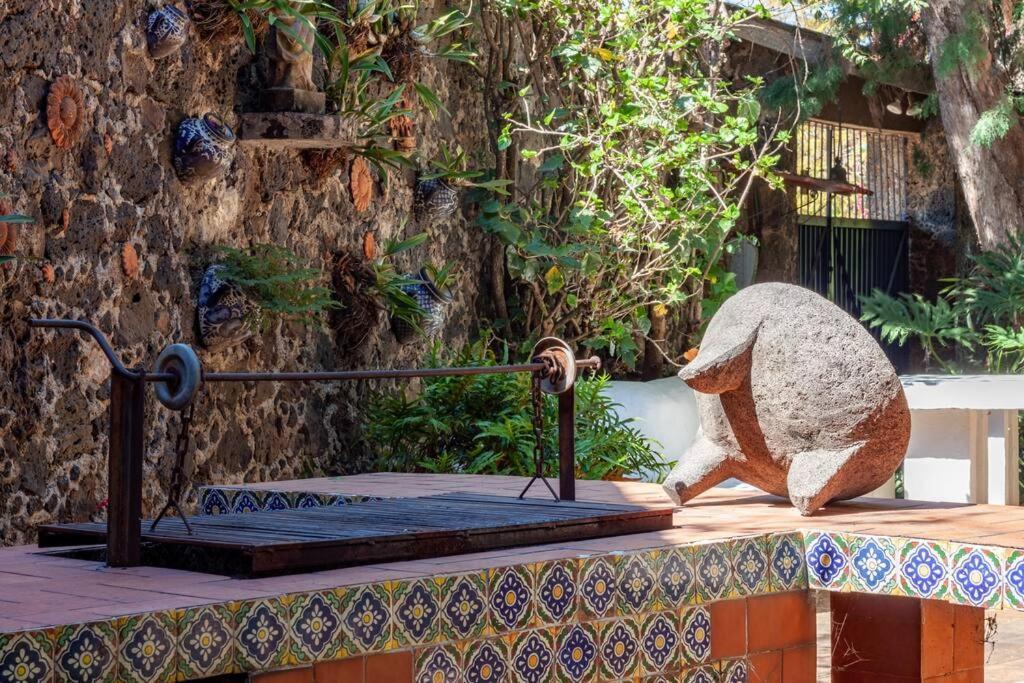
<point>795,398</point>
<point>289,50</point>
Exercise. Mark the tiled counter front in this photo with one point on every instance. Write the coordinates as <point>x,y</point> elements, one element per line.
<point>606,617</point>
<point>611,616</point>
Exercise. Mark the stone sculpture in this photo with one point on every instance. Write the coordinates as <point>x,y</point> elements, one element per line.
<point>796,398</point>
<point>289,49</point>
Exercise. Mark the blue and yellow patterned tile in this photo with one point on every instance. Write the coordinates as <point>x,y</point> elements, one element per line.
<point>576,652</point>
<point>303,501</point>
<point>463,600</point>
<point>695,636</point>
<point>246,500</point>
<point>827,556</point>
<point>924,569</point>
<point>750,565</point>
<point>598,588</point>
<point>511,594</point>
<point>733,671</point>
<point>206,641</point>
<point>314,622</point>
<point>619,649</point>
<point>637,582</point>
<point>713,567</point>
<point>787,567</point>
<point>874,564</point>
<point>700,674</point>
<point>366,618</point>
<point>660,644</point>
<point>676,583</point>
<point>532,655</point>
<point>84,652</point>
<point>438,664</point>
<point>275,500</point>
<point>264,637</point>
<point>487,660</point>
<point>1013,579</point>
<point>214,501</point>
<point>557,592</point>
<point>147,647</point>
<point>975,576</point>
<point>415,612</point>
<point>27,656</point>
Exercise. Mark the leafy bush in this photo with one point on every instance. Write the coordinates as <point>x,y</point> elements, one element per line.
<point>482,424</point>
<point>630,155</point>
<point>977,319</point>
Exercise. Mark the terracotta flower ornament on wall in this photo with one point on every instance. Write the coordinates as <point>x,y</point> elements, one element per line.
<point>65,112</point>
<point>360,184</point>
<point>130,261</point>
<point>8,231</point>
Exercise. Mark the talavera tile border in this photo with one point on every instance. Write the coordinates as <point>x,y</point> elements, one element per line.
<point>627,615</point>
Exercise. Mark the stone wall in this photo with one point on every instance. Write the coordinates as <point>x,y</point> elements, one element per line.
<point>117,186</point>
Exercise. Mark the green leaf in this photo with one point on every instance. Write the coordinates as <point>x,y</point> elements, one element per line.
<point>555,280</point>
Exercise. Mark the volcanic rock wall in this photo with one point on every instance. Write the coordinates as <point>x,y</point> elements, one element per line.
<point>115,187</point>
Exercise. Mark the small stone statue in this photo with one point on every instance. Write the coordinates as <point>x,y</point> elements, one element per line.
<point>289,48</point>
<point>795,398</point>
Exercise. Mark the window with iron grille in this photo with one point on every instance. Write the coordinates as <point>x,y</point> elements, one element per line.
<point>874,159</point>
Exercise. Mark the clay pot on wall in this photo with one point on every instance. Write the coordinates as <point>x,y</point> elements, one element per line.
<point>435,302</point>
<point>202,148</point>
<point>166,31</point>
<point>435,199</point>
<point>226,316</point>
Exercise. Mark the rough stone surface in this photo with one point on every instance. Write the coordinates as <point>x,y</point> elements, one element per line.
<point>117,186</point>
<point>796,398</point>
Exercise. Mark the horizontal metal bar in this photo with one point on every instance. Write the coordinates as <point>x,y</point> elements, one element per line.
<point>324,376</point>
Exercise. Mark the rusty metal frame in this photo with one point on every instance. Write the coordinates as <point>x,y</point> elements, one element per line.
<point>128,418</point>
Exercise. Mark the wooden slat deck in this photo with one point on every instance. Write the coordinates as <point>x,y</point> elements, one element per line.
<point>290,541</point>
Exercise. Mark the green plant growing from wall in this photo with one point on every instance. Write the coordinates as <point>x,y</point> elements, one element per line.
<point>977,320</point>
<point>274,279</point>
<point>482,424</point>
<point>9,223</point>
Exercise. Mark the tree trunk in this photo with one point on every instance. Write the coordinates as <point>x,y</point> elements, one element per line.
<point>992,178</point>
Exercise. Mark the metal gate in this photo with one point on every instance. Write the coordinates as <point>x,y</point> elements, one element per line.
<point>851,245</point>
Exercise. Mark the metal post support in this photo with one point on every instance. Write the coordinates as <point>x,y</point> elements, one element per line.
<point>124,483</point>
<point>567,444</point>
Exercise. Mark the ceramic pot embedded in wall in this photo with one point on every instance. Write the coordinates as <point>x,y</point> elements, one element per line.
<point>435,302</point>
<point>434,199</point>
<point>202,148</point>
<point>166,31</point>
<point>226,316</point>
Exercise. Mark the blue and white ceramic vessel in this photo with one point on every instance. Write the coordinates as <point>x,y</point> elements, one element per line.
<point>225,315</point>
<point>432,299</point>
<point>166,31</point>
<point>202,148</point>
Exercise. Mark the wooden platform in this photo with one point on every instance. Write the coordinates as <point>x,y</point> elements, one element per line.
<point>290,541</point>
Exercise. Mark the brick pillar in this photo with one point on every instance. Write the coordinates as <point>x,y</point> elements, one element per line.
<point>899,640</point>
<point>774,632</point>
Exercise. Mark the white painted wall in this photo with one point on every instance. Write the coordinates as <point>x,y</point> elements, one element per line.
<point>665,411</point>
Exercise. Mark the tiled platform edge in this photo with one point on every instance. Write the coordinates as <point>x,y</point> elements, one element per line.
<point>630,605</point>
<point>219,500</point>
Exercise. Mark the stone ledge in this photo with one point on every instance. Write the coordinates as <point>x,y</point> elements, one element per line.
<point>295,130</point>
